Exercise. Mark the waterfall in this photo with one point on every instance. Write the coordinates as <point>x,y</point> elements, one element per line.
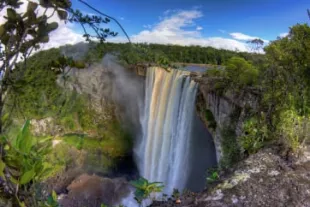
<point>164,151</point>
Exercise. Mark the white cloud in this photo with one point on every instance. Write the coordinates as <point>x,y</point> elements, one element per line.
<point>177,29</point>
<point>241,36</point>
<point>222,31</point>
<point>199,28</point>
<point>284,34</point>
<point>147,26</point>
<point>63,35</point>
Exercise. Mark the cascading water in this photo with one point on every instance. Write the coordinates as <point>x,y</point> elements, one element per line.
<point>175,147</point>
<point>167,123</point>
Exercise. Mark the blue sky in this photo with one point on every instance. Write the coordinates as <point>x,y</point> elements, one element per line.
<point>224,24</point>
<point>262,18</point>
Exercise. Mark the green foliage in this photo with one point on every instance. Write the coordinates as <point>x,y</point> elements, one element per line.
<point>51,201</point>
<point>165,55</point>
<point>280,81</point>
<point>144,188</point>
<point>255,134</point>
<point>35,94</point>
<point>241,72</point>
<point>230,148</point>
<point>176,193</point>
<point>28,157</point>
<point>213,176</point>
<point>210,118</point>
<point>237,74</point>
<point>113,140</point>
<point>286,85</point>
<point>293,129</point>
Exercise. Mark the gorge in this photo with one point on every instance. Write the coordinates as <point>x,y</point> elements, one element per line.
<point>171,143</point>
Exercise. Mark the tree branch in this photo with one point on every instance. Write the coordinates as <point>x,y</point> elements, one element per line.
<point>99,12</point>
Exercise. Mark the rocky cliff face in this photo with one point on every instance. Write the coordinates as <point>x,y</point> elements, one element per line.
<point>108,84</point>
<point>220,111</point>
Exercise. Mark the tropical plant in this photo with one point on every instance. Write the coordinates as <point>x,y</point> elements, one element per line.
<point>51,201</point>
<point>25,161</point>
<point>176,193</point>
<point>213,176</point>
<point>144,189</point>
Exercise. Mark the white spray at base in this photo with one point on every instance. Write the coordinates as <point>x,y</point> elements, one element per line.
<point>163,153</point>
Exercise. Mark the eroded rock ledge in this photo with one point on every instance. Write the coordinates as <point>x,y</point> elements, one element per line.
<point>263,179</point>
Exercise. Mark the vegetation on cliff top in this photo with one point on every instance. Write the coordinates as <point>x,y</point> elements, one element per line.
<point>281,82</point>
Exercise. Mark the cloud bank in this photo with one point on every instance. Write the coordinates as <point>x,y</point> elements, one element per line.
<point>244,37</point>
<point>180,28</point>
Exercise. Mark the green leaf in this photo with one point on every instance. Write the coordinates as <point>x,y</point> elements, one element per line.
<point>13,180</point>
<point>24,140</point>
<point>2,30</point>
<point>27,177</point>
<point>140,183</point>
<point>21,204</point>
<point>140,194</point>
<point>54,196</point>
<point>5,39</point>
<point>32,6</point>
<point>45,3</point>
<point>2,166</point>
<point>45,39</point>
<point>12,15</point>
<point>62,14</point>
<point>50,200</point>
<point>52,26</point>
<point>32,17</point>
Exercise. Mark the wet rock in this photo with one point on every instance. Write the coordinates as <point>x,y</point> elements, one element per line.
<point>178,201</point>
<point>92,191</point>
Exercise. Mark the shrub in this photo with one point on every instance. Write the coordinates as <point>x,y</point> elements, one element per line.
<point>292,129</point>
<point>241,72</point>
<point>254,135</point>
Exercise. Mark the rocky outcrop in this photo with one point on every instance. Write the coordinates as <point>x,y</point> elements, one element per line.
<point>225,110</point>
<point>108,85</point>
<point>92,190</point>
<point>45,127</point>
<point>263,179</point>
